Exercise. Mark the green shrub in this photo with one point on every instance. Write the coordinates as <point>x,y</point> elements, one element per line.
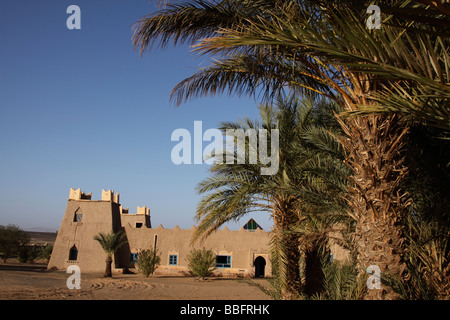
<point>201,262</point>
<point>148,261</point>
<point>27,254</point>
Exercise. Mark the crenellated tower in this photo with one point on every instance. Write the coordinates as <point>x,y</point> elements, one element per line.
<point>83,219</point>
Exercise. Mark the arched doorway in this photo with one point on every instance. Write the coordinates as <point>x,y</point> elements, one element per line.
<point>73,253</point>
<point>260,266</point>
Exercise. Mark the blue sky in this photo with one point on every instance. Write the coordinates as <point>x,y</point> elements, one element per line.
<point>82,109</point>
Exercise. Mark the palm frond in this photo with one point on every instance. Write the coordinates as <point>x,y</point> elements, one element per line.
<point>111,242</point>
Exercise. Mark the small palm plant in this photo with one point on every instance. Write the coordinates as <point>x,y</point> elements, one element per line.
<point>148,261</point>
<point>46,252</point>
<point>201,262</point>
<point>110,242</point>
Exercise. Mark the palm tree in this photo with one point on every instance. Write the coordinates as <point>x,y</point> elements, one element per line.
<point>325,47</point>
<point>307,172</point>
<point>235,190</point>
<point>45,252</point>
<point>110,243</point>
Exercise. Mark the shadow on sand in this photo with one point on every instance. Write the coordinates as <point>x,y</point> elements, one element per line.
<point>32,267</point>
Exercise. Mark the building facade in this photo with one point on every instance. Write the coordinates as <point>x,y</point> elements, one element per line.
<point>242,253</point>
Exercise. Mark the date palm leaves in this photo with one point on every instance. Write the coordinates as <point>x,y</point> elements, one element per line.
<point>320,46</point>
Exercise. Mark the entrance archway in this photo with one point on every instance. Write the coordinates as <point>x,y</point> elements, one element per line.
<point>260,266</point>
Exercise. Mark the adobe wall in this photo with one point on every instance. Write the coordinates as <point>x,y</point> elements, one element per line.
<point>243,246</point>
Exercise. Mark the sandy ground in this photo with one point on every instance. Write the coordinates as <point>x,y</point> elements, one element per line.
<point>34,282</point>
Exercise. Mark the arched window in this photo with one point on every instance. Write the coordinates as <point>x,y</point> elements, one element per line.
<point>73,253</point>
<point>78,216</point>
<point>134,256</point>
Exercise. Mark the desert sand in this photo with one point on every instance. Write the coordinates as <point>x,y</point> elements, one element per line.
<point>34,282</point>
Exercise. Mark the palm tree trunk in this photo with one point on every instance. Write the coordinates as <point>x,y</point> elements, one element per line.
<point>380,244</point>
<point>286,248</point>
<point>108,270</point>
<point>374,153</point>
